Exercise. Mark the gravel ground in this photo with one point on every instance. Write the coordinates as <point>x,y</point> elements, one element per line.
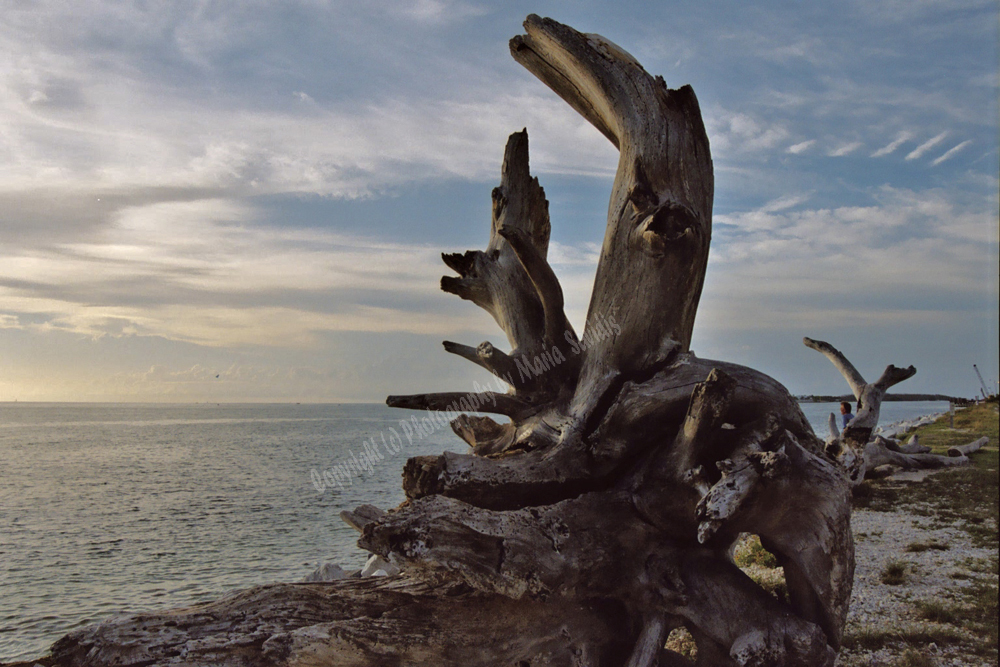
<point>883,537</point>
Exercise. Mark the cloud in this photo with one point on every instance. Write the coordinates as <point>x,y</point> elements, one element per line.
<point>438,11</point>
<point>845,149</point>
<point>142,97</point>
<point>926,146</point>
<point>801,147</point>
<point>209,272</point>
<point>563,255</point>
<point>783,203</point>
<point>951,153</point>
<point>928,253</point>
<point>153,157</point>
<point>893,145</point>
<point>736,132</point>
<point>343,151</point>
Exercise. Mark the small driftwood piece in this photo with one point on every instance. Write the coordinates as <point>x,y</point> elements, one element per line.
<point>914,447</point>
<point>965,450</point>
<point>600,516</point>
<point>878,453</point>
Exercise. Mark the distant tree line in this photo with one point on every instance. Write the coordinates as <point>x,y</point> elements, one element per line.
<point>819,398</point>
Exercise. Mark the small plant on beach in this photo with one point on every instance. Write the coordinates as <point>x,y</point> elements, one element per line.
<point>938,612</point>
<point>749,551</point>
<point>760,565</point>
<point>914,658</point>
<point>681,641</point>
<point>872,638</point>
<point>975,611</point>
<point>918,547</point>
<point>894,573</point>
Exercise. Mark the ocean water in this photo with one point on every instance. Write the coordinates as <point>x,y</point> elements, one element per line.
<point>115,508</point>
<point>818,414</point>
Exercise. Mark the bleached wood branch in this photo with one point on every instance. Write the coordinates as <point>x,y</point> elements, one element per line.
<point>850,445</point>
<point>840,362</point>
<point>965,450</point>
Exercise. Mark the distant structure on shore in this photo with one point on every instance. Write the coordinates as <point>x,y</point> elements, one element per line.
<point>817,398</point>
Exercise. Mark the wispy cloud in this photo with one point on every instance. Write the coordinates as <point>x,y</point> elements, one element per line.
<point>802,262</point>
<point>951,152</point>
<point>736,132</point>
<point>891,147</point>
<point>801,147</point>
<point>204,272</point>
<point>783,203</point>
<point>926,146</point>
<point>845,149</point>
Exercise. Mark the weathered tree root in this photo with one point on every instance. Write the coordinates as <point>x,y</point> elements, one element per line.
<point>354,623</point>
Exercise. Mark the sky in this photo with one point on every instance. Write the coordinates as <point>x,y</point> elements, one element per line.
<point>247,201</point>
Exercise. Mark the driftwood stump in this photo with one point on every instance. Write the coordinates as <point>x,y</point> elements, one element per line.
<point>629,466</point>
<point>601,515</point>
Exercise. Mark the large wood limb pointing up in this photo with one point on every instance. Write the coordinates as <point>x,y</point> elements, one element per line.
<point>652,265</point>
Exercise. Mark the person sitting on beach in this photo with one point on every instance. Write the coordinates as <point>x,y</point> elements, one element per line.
<point>845,414</point>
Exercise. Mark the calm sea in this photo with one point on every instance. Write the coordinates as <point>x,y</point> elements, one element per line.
<point>129,507</point>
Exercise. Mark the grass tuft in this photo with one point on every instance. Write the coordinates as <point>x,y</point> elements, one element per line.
<point>872,638</point>
<point>913,658</point>
<point>918,547</point>
<point>681,641</point>
<point>749,551</point>
<point>938,612</point>
<point>894,573</point>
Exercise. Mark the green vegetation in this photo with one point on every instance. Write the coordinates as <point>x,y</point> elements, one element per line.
<point>894,573</point>
<point>938,612</point>
<point>750,551</point>
<point>916,634</point>
<point>914,659</point>
<point>970,423</point>
<point>760,565</point>
<point>965,497</point>
<point>681,641</point>
<point>918,547</point>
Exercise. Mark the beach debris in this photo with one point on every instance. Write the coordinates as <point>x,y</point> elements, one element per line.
<point>965,450</point>
<point>327,572</point>
<point>361,516</point>
<point>378,567</point>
